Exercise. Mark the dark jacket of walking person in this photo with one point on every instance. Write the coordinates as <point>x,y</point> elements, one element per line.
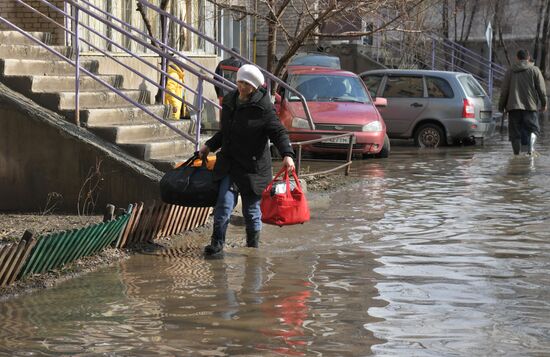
<point>522,90</point>
<point>243,162</point>
<point>227,69</point>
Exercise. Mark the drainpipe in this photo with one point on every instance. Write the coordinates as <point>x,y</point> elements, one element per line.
<point>254,38</point>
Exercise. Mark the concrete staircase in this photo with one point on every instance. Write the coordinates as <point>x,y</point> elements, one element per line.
<point>49,81</point>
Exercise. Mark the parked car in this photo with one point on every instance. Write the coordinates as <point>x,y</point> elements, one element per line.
<point>432,107</point>
<point>318,59</point>
<point>338,101</point>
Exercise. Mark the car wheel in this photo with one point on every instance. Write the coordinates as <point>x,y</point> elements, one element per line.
<point>429,136</point>
<point>385,152</point>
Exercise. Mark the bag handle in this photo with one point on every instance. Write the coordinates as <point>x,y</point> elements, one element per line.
<point>190,161</point>
<point>286,178</point>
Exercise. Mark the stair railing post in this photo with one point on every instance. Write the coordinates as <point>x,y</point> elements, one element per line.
<point>164,62</point>
<point>200,106</point>
<point>77,67</point>
<point>67,22</point>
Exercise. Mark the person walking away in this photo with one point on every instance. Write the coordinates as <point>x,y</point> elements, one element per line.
<point>179,109</point>
<point>522,89</point>
<point>227,69</point>
<point>243,162</point>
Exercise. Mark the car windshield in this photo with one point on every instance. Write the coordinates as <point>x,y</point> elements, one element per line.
<point>471,86</point>
<point>328,88</point>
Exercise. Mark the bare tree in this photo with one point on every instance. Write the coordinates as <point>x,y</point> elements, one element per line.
<point>309,16</point>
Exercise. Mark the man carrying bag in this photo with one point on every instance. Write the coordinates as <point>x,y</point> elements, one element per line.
<point>243,163</point>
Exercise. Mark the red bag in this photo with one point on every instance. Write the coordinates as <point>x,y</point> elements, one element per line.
<point>284,208</point>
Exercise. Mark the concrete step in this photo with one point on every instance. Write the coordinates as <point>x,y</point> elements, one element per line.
<point>136,133</point>
<point>100,117</point>
<point>27,52</point>
<point>51,84</point>
<point>16,38</point>
<point>153,149</point>
<point>64,102</point>
<point>27,67</point>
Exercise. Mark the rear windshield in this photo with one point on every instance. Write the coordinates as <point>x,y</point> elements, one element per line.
<point>471,86</point>
<point>328,88</point>
<point>313,60</point>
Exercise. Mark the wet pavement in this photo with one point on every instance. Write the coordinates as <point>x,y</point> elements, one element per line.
<point>432,253</point>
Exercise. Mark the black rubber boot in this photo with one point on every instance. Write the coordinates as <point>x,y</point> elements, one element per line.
<point>252,239</point>
<point>215,247</point>
<point>516,146</point>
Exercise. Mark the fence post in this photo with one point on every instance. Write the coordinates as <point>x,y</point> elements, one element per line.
<point>77,67</point>
<point>200,106</point>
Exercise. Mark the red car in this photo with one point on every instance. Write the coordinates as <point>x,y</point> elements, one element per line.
<point>338,101</point>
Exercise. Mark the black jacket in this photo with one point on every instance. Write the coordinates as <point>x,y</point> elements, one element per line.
<point>243,139</point>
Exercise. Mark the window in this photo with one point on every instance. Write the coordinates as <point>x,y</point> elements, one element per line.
<point>471,86</point>
<point>404,87</point>
<point>373,83</point>
<point>438,88</point>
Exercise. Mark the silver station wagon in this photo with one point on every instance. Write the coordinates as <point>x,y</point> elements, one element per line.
<point>432,107</point>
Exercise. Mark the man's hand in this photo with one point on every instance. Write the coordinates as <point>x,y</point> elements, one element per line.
<point>204,151</point>
<point>288,162</point>
<point>543,109</point>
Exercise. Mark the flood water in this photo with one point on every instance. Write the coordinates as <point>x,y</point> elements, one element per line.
<point>432,253</point>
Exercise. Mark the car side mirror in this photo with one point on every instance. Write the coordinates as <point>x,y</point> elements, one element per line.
<point>380,102</point>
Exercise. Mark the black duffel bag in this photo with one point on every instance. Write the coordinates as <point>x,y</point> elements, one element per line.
<point>189,186</point>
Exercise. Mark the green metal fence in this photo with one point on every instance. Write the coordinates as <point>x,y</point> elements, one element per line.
<point>54,250</point>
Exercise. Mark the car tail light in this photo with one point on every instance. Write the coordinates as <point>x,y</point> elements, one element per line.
<point>468,110</point>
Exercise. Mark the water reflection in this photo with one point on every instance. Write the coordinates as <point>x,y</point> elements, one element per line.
<point>431,253</point>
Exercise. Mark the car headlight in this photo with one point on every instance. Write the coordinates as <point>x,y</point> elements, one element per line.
<point>300,123</point>
<point>372,126</point>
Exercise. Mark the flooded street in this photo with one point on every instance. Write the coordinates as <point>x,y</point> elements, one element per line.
<point>440,252</point>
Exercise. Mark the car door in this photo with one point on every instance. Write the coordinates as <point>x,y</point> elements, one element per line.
<point>407,100</point>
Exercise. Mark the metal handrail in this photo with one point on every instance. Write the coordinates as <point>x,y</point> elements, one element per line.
<point>219,45</point>
<point>226,84</point>
<point>493,70</point>
<point>120,62</point>
<point>334,134</point>
<point>75,63</point>
<point>149,46</point>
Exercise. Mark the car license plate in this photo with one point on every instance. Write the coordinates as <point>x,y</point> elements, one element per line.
<point>341,140</point>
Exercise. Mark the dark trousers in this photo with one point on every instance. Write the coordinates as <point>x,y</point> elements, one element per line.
<point>521,123</point>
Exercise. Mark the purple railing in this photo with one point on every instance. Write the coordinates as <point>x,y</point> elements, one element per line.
<point>161,48</point>
<point>431,51</point>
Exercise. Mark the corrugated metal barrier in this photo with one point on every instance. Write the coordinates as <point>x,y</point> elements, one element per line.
<point>141,223</point>
<point>157,220</point>
<point>57,249</point>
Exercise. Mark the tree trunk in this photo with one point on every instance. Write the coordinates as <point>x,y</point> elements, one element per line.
<point>544,40</point>
<point>537,34</point>
<point>271,37</point>
<point>445,19</point>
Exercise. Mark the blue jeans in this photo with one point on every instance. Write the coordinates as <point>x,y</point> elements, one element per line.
<point>227,200</point>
